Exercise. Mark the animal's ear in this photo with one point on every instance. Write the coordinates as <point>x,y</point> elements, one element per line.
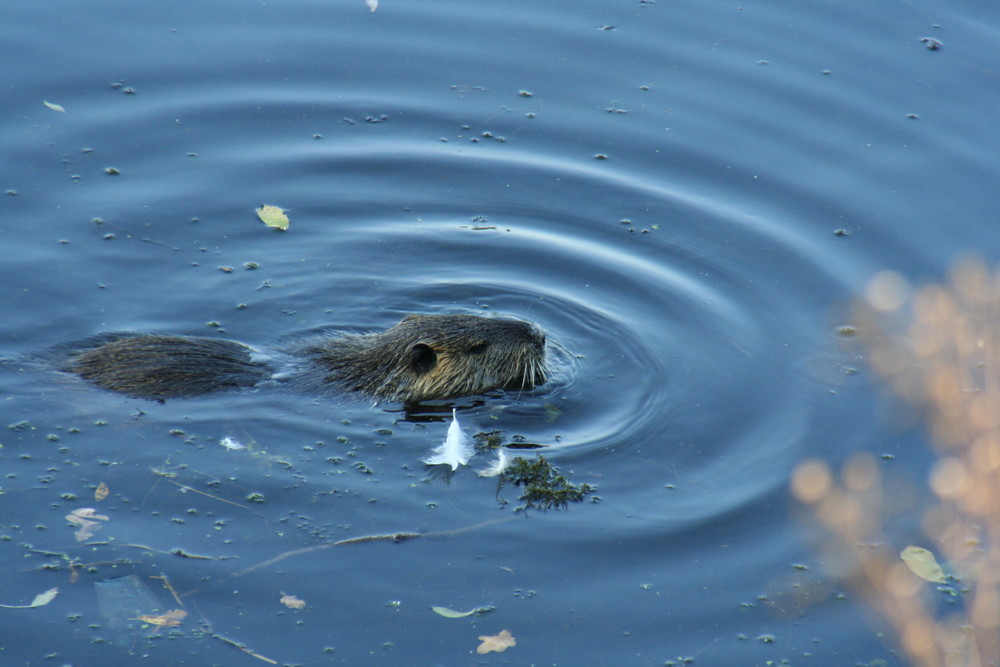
<point>423,358</point>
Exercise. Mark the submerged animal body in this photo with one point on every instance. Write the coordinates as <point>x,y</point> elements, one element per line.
<point>423,357</point>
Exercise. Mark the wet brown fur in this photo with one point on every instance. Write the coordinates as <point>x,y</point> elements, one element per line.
<point>423,357</point>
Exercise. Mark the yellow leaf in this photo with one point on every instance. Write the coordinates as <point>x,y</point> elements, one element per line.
<point>54,107</point>
<point>273,216</point>
<point>101,492</point>
<point>170,619</point>
<point>451,613</point>
<point>923,564</point>
<point>292,602</point>
<point>498,643</point>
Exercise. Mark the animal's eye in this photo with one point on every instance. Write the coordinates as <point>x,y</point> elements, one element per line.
<point>478,349</point>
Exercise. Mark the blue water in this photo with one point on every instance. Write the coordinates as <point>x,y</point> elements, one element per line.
<point>686,195</point>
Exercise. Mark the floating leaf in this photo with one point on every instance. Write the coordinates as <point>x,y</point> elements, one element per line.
<point>40,600</point>
<point>171,619</point>
<point>86,512</point>
<point>273,216</point>
<point>54,107</point>
<point>85,519</point>
<point>292,602</point>
<point>451,613</point>
<point>498,643</point>
<point>923,564</point>
<point>43,599</point>
<point>101,492</point>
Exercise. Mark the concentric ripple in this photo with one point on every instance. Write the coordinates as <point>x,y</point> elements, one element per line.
<point>682,335</point>
<point>681,326</point>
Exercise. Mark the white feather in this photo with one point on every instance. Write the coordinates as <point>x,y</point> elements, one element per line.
<point>232,444</point>
<point>455,450</point>
<point>498,466</point>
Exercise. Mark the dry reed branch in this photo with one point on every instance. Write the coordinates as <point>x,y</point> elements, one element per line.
<point>938,347</point>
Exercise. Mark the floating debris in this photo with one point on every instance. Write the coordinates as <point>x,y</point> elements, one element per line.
<point>232,444</point>
<point>498,643</point>
<point>456,449</point>
<point>499,466</point>
<point>273,216</point>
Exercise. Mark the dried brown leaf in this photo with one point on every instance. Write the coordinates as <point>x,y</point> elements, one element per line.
<point>499,643</point>
<point>292,602</point>
<point>84,518</point>
<point>86,513</point>
<point>170,619</point>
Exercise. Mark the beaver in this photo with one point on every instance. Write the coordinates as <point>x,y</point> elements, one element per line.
<point>423,357</point>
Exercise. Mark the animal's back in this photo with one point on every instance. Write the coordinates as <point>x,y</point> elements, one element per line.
<point>161,366</point>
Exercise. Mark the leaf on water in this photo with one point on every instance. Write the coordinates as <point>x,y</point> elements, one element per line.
<point>40,600</point>
<point>923,564</point>
<point>43,599</point>
<point>85,513</point>
<point>292,602</point>
<point>372,5</point>
<point>456,449</point>
<point>86,531</point>
<point>498,643</point>
<point>451,613</point>
<point>101,492</point>
<point>171,619</point>
<point>273,216</point>
<point>87,521</point>
<point>58,107</point>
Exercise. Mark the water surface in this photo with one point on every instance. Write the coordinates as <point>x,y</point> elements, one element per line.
<point>686,195</point>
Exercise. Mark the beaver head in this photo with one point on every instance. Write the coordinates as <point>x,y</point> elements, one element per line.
<point>430,357</point>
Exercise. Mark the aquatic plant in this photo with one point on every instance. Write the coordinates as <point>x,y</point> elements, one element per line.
<point>543,487</point>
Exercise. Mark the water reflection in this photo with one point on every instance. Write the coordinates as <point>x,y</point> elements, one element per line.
<point>938,348</point>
